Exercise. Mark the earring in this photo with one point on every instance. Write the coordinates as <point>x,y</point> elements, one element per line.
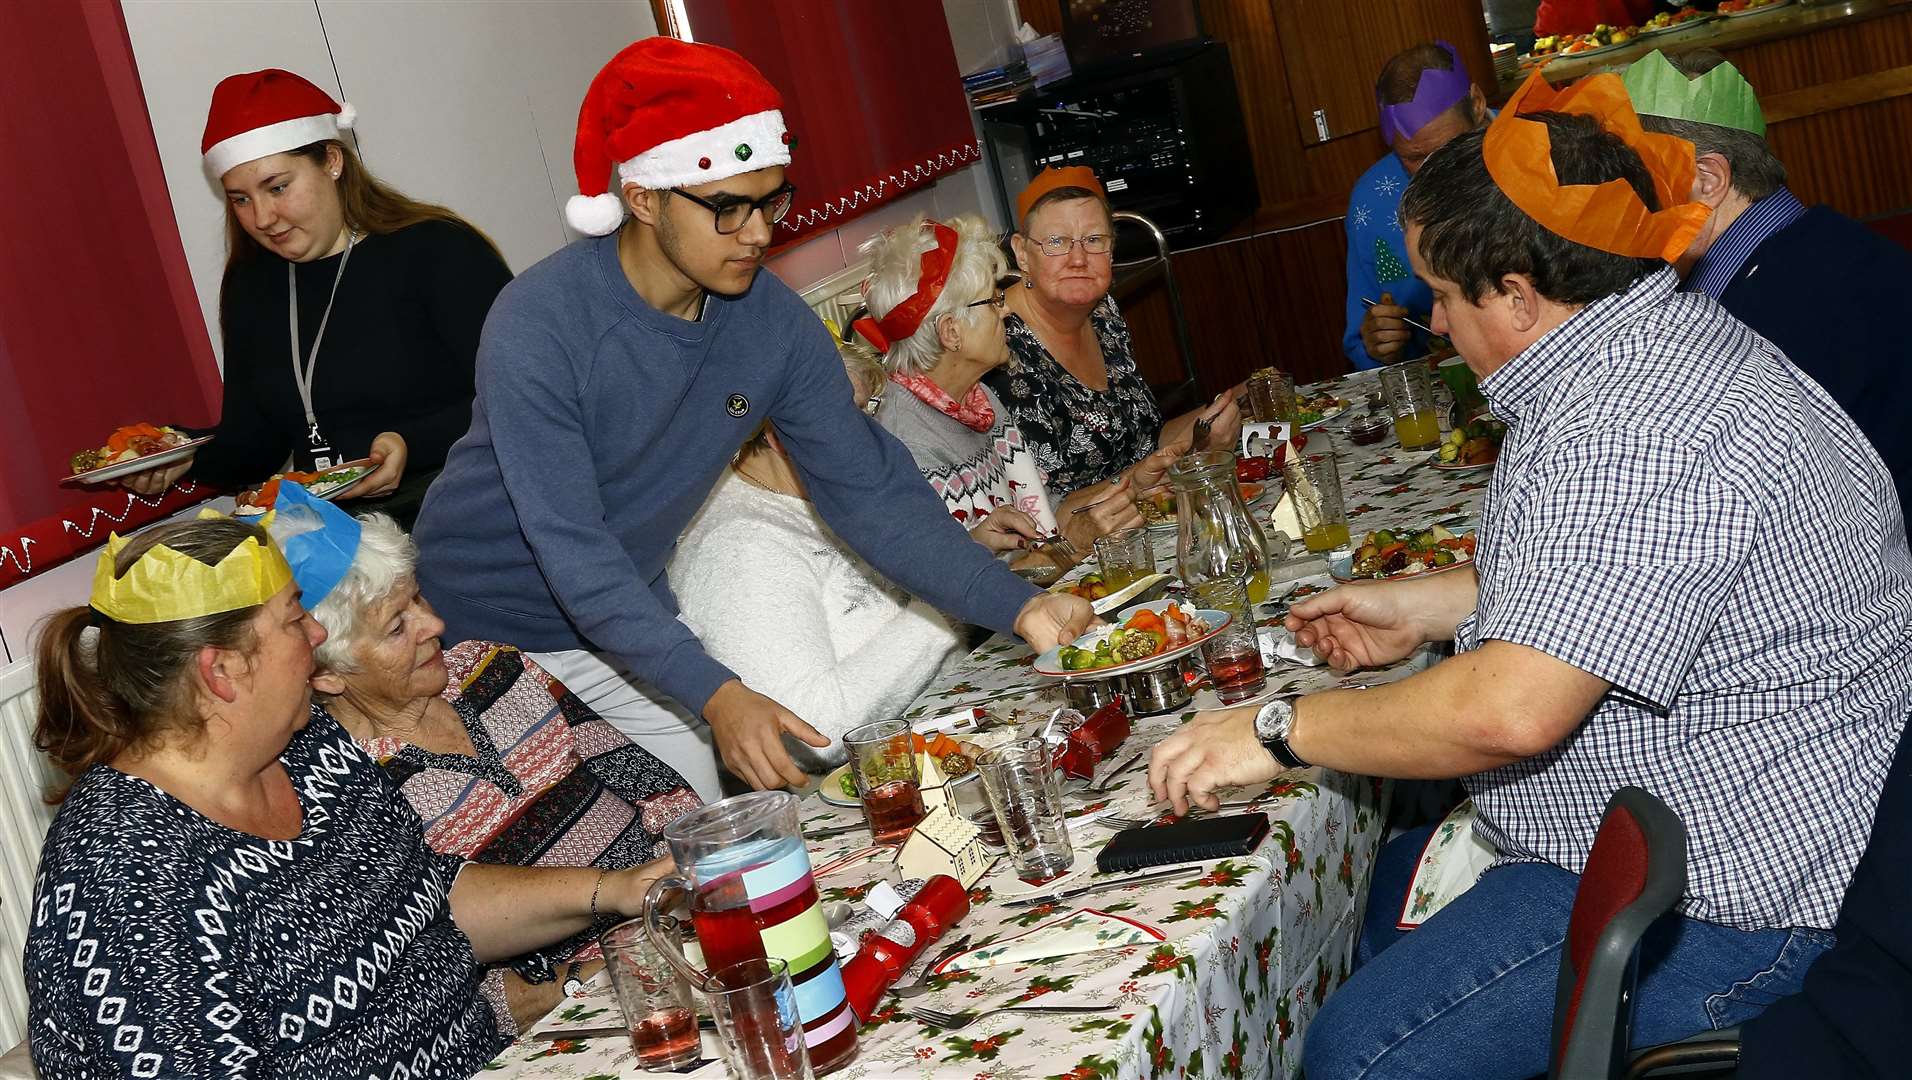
<point>335,176</point>
<point>1028,282</point>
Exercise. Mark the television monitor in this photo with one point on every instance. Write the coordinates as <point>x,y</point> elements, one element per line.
<point>1099,32</point>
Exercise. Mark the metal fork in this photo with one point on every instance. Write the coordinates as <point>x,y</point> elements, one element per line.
<point>1058,543</point>
<point>921,984</point>
<point>1200,434</point>
<point>1117,822</point>
<point>957,1021</point>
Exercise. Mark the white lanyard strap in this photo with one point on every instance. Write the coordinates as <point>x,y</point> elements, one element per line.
<point>302,373</point>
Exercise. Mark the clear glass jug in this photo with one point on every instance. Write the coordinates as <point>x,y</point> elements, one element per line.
<point>742,864</point>
<point>1217,539</point>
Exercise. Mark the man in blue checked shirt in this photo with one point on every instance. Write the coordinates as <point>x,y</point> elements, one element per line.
<point>1691,577</point>
<point>1822,287</point>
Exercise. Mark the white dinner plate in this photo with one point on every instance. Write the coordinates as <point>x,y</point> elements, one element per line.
<point>139,464</point>
<point>1049,664</point>
<point>328,490</point>
<point>1457,467</point>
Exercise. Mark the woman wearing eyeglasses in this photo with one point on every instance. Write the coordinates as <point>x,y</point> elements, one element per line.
<point>936,296</point>
<point>1076,391</point>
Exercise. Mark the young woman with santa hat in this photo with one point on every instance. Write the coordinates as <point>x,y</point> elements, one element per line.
<point>385,297</point>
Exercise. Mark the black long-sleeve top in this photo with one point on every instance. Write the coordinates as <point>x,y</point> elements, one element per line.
<point>398,352</point>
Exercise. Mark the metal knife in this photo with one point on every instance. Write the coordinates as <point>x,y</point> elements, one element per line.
<point>1103,886</point>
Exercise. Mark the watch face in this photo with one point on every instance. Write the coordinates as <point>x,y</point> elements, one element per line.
<point>1272,720</point>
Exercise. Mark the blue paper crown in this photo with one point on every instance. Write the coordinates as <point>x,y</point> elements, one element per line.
<point>319,540</point>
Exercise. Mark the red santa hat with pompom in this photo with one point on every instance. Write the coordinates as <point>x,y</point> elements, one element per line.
<point>267,112</point>
<point>668,113</point>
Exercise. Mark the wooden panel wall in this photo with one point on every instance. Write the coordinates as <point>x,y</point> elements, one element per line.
<point>1274,293</point>
<point>1859,159</point>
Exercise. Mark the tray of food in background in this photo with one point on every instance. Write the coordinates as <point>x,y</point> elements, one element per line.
<point>1740,9</point>
<point>132,449</point>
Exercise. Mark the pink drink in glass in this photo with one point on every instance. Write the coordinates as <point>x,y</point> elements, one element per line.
<point>666,1038</point>
<point>893,809</point>
<point>1236,672</point>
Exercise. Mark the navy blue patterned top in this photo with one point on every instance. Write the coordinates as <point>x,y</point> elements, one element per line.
<point>165,944</point>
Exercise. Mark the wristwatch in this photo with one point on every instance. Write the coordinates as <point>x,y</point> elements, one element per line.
<point>1273,722</point>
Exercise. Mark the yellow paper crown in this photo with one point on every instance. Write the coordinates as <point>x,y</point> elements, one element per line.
<point>166,585</point>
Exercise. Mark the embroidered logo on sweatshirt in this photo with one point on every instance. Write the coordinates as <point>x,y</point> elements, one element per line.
<point>737,406</point>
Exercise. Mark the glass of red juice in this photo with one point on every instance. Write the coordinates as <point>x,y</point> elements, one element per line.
<point>883,760</point>
<point>655,1000</point>
<point>1233,656</point>
<point>755,1010</point>
<point>743,867</point>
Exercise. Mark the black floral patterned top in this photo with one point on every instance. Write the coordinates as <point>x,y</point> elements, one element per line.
<point>1081,435</point>
<point>162,943</point>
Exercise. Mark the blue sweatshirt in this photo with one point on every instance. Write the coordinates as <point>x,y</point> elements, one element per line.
<point>599,427</point>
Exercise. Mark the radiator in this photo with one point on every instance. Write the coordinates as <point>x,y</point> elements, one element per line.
<point>24,814</point>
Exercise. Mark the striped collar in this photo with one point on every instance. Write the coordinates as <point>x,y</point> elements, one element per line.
<point>1723,261</point>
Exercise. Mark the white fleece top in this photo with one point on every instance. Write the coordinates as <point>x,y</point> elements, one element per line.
<point>777,598</point>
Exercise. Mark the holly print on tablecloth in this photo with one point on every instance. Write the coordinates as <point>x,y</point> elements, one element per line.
<point>1387,265</point>
<point>1093,1067</point>
<point>1166,958</point>
<point>1040,985</point>
<point>983,1049</point>
<point>1206,908</point>
<point>1226,875</point>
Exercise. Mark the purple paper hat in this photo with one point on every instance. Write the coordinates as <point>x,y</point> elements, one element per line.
<point>1437,92</point>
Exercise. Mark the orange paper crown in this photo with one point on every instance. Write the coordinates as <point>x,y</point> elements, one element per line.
<point>1608,217</point>
<point>1051,178</point>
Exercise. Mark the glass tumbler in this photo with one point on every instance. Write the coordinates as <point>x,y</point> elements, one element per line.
<point>883,760</point>
<point>654,998</point>
<point>755,1010</point>
<point>1410,394</point>
<point>1315,482</point>
<point>968,798</point>
<point>1026,794</point>
<point>1233,656</point>
<point>1124,557</point>
<point>1271,396</point>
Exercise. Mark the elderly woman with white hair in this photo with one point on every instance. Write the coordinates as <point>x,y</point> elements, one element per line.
<point>936,298</point>
<point>499,760</point>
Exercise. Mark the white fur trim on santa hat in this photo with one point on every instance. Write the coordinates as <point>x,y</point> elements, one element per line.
<point>676,163</point>
<point>274,139</point>
<point>594,215</point>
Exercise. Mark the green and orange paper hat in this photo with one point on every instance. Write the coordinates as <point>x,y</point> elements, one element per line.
<point>1609,217</point>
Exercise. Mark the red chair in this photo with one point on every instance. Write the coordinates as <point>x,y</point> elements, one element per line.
<point>1635,873</point>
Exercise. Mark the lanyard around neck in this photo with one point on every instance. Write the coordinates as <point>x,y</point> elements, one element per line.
<point>302,373</point>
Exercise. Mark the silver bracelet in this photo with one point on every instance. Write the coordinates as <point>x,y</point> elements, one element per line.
<point>594,895</point>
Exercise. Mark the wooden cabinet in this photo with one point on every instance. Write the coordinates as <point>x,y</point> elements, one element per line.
<point>1334,49</point>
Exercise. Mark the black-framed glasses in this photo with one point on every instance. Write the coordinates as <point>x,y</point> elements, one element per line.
<point>995,300</point>
<point>732,213</point>
<point>1093,244</point>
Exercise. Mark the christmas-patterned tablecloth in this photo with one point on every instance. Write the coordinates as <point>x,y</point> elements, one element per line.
<point>1251,945</point>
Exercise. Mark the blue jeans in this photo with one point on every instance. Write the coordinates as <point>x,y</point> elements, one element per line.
<point>1470,994</point>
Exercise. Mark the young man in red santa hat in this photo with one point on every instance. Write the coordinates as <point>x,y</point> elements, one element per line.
<point>616,381</point>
